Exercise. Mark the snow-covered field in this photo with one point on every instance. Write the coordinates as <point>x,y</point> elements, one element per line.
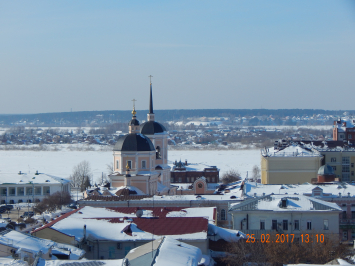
<point>60,163</point>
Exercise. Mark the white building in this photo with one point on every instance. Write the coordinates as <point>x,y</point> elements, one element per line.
<point>286,214</point>
<point>22,187</point>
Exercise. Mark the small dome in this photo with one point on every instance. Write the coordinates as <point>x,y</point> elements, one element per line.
<point>134,142</point>
<point>133,122</point>
<point>152,127</point>
<point>326,170</point>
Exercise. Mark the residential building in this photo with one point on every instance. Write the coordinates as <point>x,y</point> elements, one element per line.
<point>24,187</point>
<point>91,228</point>
<point>295,215</point>
<point>289,165</point>
<point>344,130</point>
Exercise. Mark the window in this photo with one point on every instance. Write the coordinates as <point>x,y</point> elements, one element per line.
<point>262,224</point>
<point>352,214</point>
<point>297,225</point>
<point>171,179</point>
<point>157,152</point>
<point>343,215</point>
<point>274,225</point>
<point>334,168</point>
<point>346,160</point>
<point>3,192</point>
<point>187,179</point>
<point>129,163</point>
<point>119,246</point>
<point>117,164</point>
<point>213,180</point>
<point>309,225</point>
<point>12,191</point>
<point>353,234</point>
<point>325,225</point>
<point>349,136</point>
<point>46,190</point>
<point>352,173</point>
<point>345,235</point>
<point>38,190</point>
<point>20,191</point>
<point>333,159</point>
<point>223,215</point>
<point>28,190</point>
<point>144,164</point>
<point>345,169</point>
<point>180,179</point>
<point>285,225</point>
<point>352,165</point>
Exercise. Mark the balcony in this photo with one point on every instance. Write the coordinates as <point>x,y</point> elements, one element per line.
<point>347,223</point>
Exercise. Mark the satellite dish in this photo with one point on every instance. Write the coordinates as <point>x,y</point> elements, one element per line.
<point>139,213</point>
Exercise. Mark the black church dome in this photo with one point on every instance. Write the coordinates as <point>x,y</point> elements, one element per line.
<point>134,142</point>
<point>152,127</point>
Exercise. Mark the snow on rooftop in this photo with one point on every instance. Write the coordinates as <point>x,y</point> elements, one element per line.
<point>25,178</point>
<point>101,222</point>
<point>293,203</point>
<point>83,262</point>
<point>176,253</point>
<point>329,190</point>
<point>26,242</point>
<point>228,235</point>
<point>290,151</point>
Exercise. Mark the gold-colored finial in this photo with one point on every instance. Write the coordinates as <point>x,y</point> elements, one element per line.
<point>134,107</point>
<point>127,167</point>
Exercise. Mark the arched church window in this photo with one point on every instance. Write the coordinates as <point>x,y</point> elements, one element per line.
<point>223,214</point>
<point>200,185</point>
<point>144,164</point>
<point>158,153</point>
<point>180,179</point>
<point>117,164</point>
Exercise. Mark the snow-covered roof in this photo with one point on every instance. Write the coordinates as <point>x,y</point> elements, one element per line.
<point>84,262</point>
<point>331,190</point>
<point>24,178</point>
<point>228,235</point>
<point>34,245</point>
<point>285,203</point>
<point>182,254</point>
<point>290,151</point>
<point>12,262</point>
<point>193,167</point>
<point>225,197</point>
<point>101,222</point>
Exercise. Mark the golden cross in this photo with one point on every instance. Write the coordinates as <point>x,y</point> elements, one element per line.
<point>150,77</point>
<point>134,103</point>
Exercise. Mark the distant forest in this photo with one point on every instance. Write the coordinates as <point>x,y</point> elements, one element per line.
<point>114,116</point>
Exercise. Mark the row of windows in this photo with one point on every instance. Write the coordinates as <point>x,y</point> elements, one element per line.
<point>296,225</point>
<point>345,160</point>
<point>344,216</point>
<point>193,179</point>
<point>129,163</point>
<point>21,191</point>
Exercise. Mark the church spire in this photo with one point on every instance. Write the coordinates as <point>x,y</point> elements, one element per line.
<point>150,116</point>
<point>133,125</point>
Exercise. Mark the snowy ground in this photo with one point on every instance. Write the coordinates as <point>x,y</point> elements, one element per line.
<point>60,163</point>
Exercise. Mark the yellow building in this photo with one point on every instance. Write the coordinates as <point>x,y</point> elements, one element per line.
<point>290,165</point>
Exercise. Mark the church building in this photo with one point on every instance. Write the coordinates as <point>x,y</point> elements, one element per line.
<point>140,158</point>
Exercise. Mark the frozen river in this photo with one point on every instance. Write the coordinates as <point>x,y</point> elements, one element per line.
<point>60,163</point>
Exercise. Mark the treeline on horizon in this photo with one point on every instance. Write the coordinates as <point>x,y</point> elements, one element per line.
<point>117,116</point>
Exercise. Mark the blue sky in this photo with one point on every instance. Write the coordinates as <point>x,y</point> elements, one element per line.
<point>97,55</point>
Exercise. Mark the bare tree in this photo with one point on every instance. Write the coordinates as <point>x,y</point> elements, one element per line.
<point>109,168</point>
<point>230,176</point>
<point>81,175</point>
<point>256,173</point>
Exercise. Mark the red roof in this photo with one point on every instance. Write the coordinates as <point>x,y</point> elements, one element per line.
<point>157,211</point>
<point>167,226</point>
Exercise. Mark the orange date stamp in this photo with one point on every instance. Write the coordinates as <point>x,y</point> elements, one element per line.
<point>286,238</point>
